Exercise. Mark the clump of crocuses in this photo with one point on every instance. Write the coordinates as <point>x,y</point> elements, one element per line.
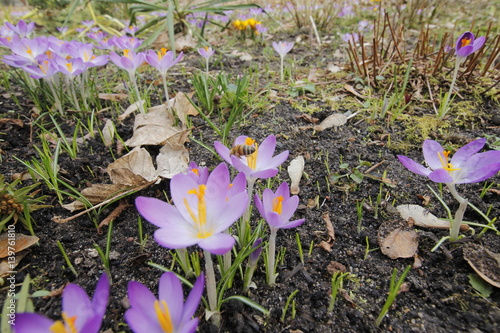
<point>202,211</point>
<point>466,166</point>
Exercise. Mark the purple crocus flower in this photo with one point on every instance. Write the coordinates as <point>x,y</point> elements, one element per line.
<point>466,165</point>
<point>80,313</point>
<point>168,313</point>
<point>125,42</point>
<point>70,67</point>
<point>201,212</point>
<point>162,60</point>
<point>27,49</point>
<point>21,29</point>
<point>282,48</point>
<point>260,164</point>
<point>466,44</point>
<point>206,52</point>
<point>199,174</point>
<point>130,60</point>
<point>278,208</point>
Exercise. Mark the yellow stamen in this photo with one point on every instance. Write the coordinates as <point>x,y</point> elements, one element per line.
<point>196,171</point>
<point>126,53</point>
<point>443,158</point>
<point>67,327</point>
<point>69,66</point>
<point>161,53</point>
<point>278,204</point>
<point>201,219</point>
<point>252,158</point>
<point>163,315</point>
<point>465,41</point>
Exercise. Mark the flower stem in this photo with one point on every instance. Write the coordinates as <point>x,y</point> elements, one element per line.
<point>246,215</point>
<point>459,214</point>
<point>211,288</point>
<point>445,106</point>
<point>282,76</point>
<point>165,87</point>
<point>271,257</point>
<point>137,94</point>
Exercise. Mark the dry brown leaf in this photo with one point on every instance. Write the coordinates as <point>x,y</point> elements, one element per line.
<point>397,240</point>
<point>484,262</point>
<point>173,157</point>
<point>332,68</point>
<point>131,109</point>
<point>185,42</point>
<point>113,215</point>
<point>492,190</point>
<point>182,107</point>
<point>295,171</point>
<point>325,246</point>
<point>329,226</point>
<point>135,168</point>
<point>334,120</point>
<point>7,267</point>
<point>351,89</point>
<point>96,194</point>
<point>153,128</point>
<point>335,266</point>
<point>424,218</point>
<point>108,132</point>
<point>113,97</point>
<point>17,244</point>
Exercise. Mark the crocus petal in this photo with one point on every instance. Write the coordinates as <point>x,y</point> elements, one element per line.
<point>223,216</point>
<point>223,151</point>
<point>264,174</point>
<point>101,294</point>
<point>193,300</point>
<point>478,43</point>
<point>76,302</point>
<point>479,167</point>
<point>170,291</point>
<point>274,162</point>
<point>219,243</point>
<point>274,219</point>
<point>293,224</point>
<point>259,206</point>
<point>413,166</point>
<point>432,150</point>
<point>189,326</point>
<point>464,153</point>
<point>267,148</point>
<point>175,239</point>
<point>289,207</point>
<point>32,323</point>
<point>155,211</point>
<point>441,176</point>
<point>139,322</point>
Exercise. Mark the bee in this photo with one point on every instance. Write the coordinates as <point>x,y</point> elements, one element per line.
<point>241,150</point>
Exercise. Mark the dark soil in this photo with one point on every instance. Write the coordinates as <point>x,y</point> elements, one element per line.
<point>438,297</point>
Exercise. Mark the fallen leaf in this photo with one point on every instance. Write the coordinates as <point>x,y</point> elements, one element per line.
<point>6,266</point>
<point>185,42</point>
<point>333,120</point>
<point>332,68</point>
<point>397,240</point>
<point>16,244</point>
<point>113,97</point>
<point>108,132</point>
<point>182,107</point>
<point>325,246</point>
<point>113,215</point>
<point>173,157</point>
<point>329,226</point>
<point>153,128</point>
<point>96,194</point>
<point>131,109</point>
<point>351,89</point>
<point>335,266</point>
<point>135,168</point>
<point>295,171</point>
<point>424,218</point>
<point>425,199</point>
<point>484,262</point>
